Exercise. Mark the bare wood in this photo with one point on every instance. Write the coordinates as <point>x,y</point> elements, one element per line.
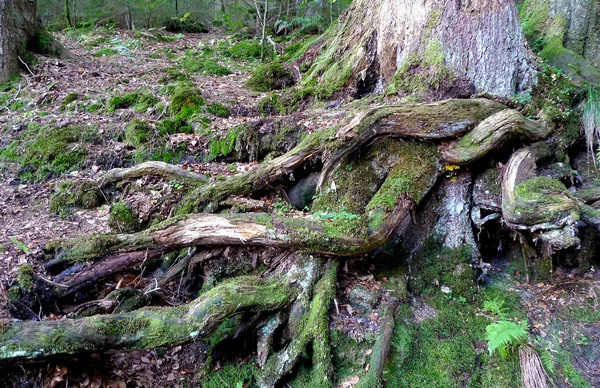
<point>492,133</point>
<point>533,374</point>
<point>162,169</point>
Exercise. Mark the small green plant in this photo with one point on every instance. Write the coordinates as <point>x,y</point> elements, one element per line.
<point>503,335</point>
<point>22,247</point>
<point>176,185</point>
<point>591,119</point>
<point>342,215</point>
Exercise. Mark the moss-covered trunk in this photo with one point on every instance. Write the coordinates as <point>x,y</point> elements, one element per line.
<point>408,46</point>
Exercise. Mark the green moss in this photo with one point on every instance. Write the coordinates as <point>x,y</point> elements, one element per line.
<point>422,73</point>
<point>223,145</point>
<point>572,375</point>
<point>232,375</point>
<point>349,356</point>
<point>210,67</point>
<point>176,125</point>
<point>140,101</point>
<point>271,76</point>
<point>246,50</point>
<point>218,110</point>
<point>105,52</point>
<point>122,219</point>
<point>25,277</point>
<point>283,102</point>
<point>42,42</point>
<point>553,48</point>
<point>43,153</point>
<point>109,326</point>
<point>411,175</point>
<point>539,188</point>
<point>69,99</point>
<point>435,265</point>
<point>138,133</point>
<point>86,248</point>
<point>14,294</point>
<point>186,97</point>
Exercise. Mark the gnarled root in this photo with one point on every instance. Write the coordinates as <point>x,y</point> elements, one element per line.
<point>148,327</point>
<point>313,328</point>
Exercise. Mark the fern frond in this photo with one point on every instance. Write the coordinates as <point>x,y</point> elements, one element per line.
<point>503,333</point>
<point>496,307</point>
<point>548,361</point>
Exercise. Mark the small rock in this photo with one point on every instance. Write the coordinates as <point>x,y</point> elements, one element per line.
<point>362,299</point>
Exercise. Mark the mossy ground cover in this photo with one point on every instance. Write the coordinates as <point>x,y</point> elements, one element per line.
<point>44,152</point>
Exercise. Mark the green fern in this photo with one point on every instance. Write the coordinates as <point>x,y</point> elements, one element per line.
<point>496,307</point>
<point>548,361</point>
<point>503,334</point>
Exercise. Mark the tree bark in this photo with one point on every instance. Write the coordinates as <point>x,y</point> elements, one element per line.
<point>480,42</point>
<point>18,24</point>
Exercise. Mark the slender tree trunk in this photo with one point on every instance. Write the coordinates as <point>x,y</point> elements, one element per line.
<point>68,14</point>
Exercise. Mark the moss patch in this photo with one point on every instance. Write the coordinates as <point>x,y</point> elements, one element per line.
<point>71,195</point>
<point>271,76</point>
<point>186,101</point>
<point>140,101</point>
<point>43,153</point>
<point>122,219</point>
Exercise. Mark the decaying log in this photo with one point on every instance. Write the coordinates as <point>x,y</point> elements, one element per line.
<point>382,346</point>
<point>533,374</point>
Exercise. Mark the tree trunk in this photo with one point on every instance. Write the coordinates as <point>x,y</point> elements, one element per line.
<point>477,44</point>
<point>18,24</point>
<point>21,31</point>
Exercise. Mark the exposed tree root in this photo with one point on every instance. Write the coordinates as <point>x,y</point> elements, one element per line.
<point>145,328</point>
<point>314,328</point>
<point>382,347</point>
<point>162,169</point>
<point>491,133</point>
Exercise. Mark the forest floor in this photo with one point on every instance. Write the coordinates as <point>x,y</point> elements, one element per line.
<point>76,93</point>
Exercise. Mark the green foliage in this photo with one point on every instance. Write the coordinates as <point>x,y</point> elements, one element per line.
<point>271,76</point>
<point>502,335</point>
<point>549,361</point>
<point>20,246</point>
<point>235,18</point>
<point>496,307</point>
<point>591,118</point>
